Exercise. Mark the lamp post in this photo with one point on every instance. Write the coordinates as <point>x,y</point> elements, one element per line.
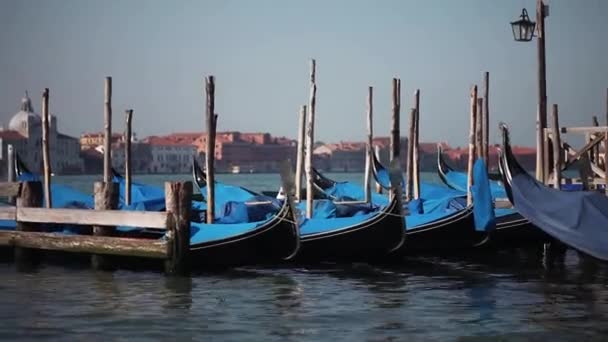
<point>523,31</point>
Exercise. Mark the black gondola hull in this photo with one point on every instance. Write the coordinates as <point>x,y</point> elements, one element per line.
<point>369,240</point>
<point>273,242</point>
<point>456,232</point>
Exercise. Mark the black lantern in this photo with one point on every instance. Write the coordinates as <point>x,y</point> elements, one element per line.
<point>523,29</point>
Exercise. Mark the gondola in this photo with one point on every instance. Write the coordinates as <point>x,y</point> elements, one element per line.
<point>577,219</point>
<point>369,235</point>
<point>511,229</point>
<point>221,244</point>
<point>425,233</point>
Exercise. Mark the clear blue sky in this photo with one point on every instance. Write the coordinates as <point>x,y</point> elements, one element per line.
<point>159,52</point>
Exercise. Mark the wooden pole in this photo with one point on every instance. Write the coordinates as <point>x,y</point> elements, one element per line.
<point>479,129</point>
<point>107,146</point>
<point>409,191</point>
<point>310,134</point>
<point>471,144</point>
<point>46,156</point>
<point>368,147</point>
<point>377,151</point>
<point>128,136</point>
<point>596,149</point>
<point>395,134</point>
<point>30,197</point>
<point>416,153</point>
<point>542,93</point>
<point>10,175</point>
<point>486,118</point>
<point>178,199</point>
<point>106,198</point>
<point>210,147</point>
<point>300,152</point>
<point>557,154</point>
<point>394,139</point>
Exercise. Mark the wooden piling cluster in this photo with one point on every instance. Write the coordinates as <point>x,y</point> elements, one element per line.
<point>32,235</point>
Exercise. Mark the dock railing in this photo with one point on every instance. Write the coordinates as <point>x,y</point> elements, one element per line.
<point>31,220</point>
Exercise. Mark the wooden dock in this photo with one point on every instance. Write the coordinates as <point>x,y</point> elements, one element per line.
<point>33,223</point>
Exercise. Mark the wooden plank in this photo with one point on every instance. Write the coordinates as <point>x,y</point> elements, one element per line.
<point>146,248</point>
<point>10,189</point>
<point>8,213</point>
<point>502,204</point>
<point>31,196</point>
<point>583,130</point>
<point>144,219</point>
<point>577,155</point>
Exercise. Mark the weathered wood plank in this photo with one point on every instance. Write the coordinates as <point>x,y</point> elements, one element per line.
<point>368,147</point>
<point>147,219</point>
<point>85,244</point>
<point>557,153</point>
<point>211,123</point>
<point>10,189</point>
<point>8,213</point>
<point>593,129</point>
<point>128,169</point>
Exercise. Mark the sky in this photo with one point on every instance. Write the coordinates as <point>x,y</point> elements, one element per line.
<point>159,53</point>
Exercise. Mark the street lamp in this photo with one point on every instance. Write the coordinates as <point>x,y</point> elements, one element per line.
<point>524,31</point>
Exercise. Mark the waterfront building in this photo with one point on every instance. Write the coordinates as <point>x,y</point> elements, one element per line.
<point>24,132</point>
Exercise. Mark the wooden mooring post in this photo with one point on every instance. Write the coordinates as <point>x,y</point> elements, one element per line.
<point>409,191</point>
<point>46,155</point>
<point>472,127</point>
<point>557,154</point>
<point>107,145</point>
<point>486,119</point>
<point>395,137</point>
<point>479,129</point>
<point>596,150</point>
<point>29,197</point>
<point>128,137</point>
<point>178,197</point>
<point>10,174</point>
<point>368,146</point>
<point>310,134</point>
<point>211,123</point>
<point>416,152</point>
<point>106,198</point>
<point>300,152</point>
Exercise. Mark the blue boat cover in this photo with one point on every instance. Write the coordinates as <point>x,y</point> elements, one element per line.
<point>578,219</point>
<point>458,181</point>
<point>483,211</point>
<point>437,202</point>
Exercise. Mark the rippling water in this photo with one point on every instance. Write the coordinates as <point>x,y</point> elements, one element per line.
<point>500,296</point>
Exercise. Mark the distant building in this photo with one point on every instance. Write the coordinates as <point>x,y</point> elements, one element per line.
<point>25,134</point>
<point>168,155</point>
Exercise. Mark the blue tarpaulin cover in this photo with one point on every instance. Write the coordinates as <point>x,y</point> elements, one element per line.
<point>578,219</point>
<point>483,211</point>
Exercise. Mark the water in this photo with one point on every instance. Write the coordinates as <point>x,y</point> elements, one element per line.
<point>501,296</point>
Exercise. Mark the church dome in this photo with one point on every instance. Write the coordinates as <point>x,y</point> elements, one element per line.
<point>25,117</point>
